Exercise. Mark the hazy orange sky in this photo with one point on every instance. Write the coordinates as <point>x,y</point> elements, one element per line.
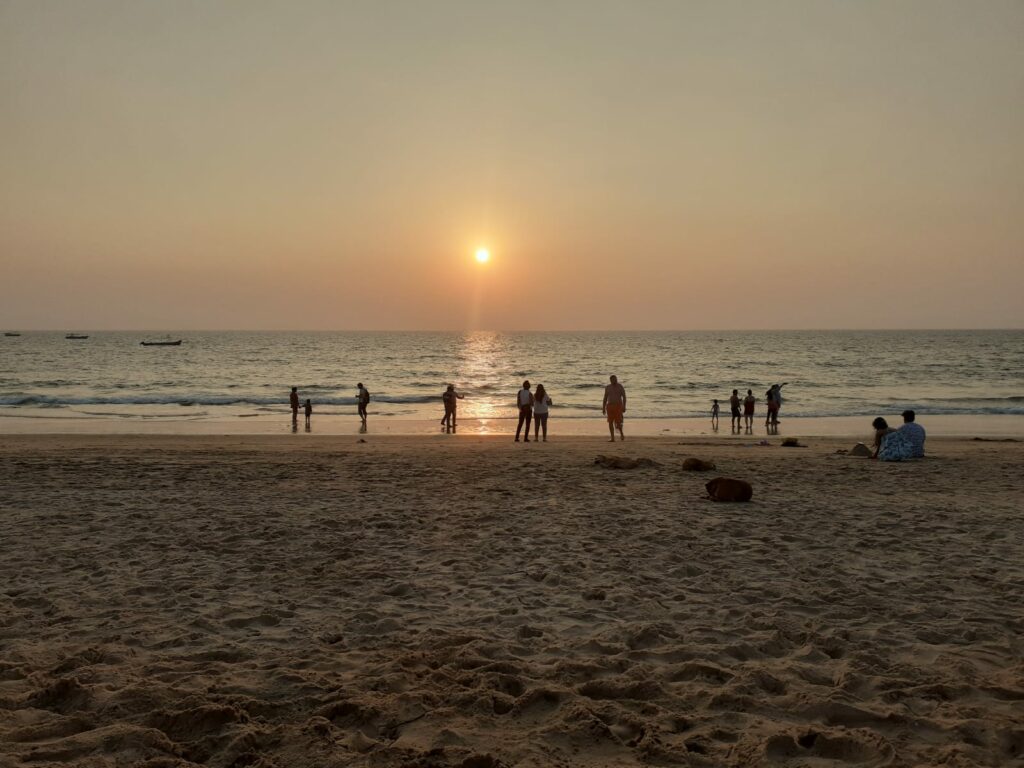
<point>655,165</point>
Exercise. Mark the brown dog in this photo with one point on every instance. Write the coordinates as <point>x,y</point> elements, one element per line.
<point>728,489</point>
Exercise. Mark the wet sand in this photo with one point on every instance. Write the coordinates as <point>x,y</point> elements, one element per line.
<point>435,601</point>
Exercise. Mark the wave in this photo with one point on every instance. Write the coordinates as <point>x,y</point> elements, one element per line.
<point>48,401</point>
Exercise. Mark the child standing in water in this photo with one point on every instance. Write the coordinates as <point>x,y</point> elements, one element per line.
<point>715,408</point>
<point>308,408</point>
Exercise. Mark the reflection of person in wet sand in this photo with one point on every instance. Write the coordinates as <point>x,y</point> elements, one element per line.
<point>614,407</point>
<point>451,405</point>
<point>294,400</point>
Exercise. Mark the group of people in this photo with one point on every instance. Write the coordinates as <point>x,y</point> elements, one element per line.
<point>745,418</point>
<point>534,407</point>
<point>901,444</point>
<point>362,401</point>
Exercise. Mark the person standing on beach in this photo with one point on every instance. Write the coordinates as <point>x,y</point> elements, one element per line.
<point>525,402</point>
<point>362,400</point>
<point>614,407</point>
<point>715,408</point>
<point>294,400</point>
<point>541,401</point>
<point>774,396</point>
<point>308,409</point>
<point>748,410</point>
<point>734,406</point>
<point>450,398</point>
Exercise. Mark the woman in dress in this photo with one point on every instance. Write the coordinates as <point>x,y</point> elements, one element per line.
<point>890,444</point>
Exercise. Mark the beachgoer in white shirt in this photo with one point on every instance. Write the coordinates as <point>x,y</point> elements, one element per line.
<point>525,402</point>
<point>541,402</point>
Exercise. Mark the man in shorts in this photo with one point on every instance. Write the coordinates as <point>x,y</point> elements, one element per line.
<point>614,407</point>
<point>734,406</point>
<point>748,410</point>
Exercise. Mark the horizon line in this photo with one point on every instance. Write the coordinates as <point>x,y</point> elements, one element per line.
<point>13,329</point>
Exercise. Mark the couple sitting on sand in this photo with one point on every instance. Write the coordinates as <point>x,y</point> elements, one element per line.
<point>901,444</point>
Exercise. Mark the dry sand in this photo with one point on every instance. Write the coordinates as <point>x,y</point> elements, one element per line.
<point>442,601</point>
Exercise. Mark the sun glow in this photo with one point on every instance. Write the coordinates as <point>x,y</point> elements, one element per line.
<point>483,255</point>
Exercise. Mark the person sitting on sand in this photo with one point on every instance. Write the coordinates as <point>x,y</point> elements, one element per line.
<point>525,402</point>
<point>890,444</point>
<point>450,398</point>
<point>294,400</point>
<point>748,409</point>
<point>914,432</point>
<point>541,401</point>
<point>715,408</point>
<point>614,407</point>
<point>882,428</point>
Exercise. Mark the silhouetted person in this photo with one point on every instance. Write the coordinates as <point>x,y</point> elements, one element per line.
<point>525,402</point>
<point>362,400</point>
<point>294,400</point>
<point>614,407</point>
<point>775,402</point>
<point>308,409</point>
<point>541,401</point>
<point>715,408</point>
<point>450,398</point>
<point>748,410</point>
<point>734,406</point>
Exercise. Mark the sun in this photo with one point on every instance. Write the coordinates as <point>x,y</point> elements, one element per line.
<point>483,255</point>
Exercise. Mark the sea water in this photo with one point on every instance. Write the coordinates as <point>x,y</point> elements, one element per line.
<point>217,376</point>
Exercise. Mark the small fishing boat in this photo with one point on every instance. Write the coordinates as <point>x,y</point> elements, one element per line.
<point>12,334</point>
<point>161,343</point>
<point>76,336</point>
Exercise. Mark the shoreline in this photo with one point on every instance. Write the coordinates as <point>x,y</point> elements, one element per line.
<point>854,427</point>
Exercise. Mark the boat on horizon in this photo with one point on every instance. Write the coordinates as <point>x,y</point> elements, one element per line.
<point>161,343</point>
<point>9,333</point>
<point>76,336</point>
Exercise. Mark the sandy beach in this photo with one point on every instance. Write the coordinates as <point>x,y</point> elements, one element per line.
<point>171,601</point>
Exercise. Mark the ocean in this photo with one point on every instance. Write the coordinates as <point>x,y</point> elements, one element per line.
<point>218,376</point>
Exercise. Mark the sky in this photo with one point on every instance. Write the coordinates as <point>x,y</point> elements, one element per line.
<point>650,165</point>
